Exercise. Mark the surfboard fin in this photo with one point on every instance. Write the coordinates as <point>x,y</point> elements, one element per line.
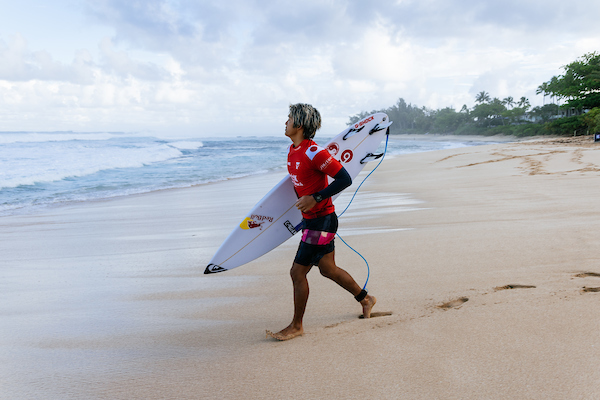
<point>371,157</point>
<point>213,269</point>
<point>381,126</point>
<point>352,132</point>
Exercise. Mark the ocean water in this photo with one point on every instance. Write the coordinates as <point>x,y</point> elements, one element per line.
<point>45,169</point>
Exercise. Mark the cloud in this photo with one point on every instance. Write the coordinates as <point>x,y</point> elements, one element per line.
<point>120,63</point>
<point>193,33</point>
<point>207,64</point>
<point>465,19</point>
<point>21,64</point>
<point>270,38</point>
<point>138,20</point>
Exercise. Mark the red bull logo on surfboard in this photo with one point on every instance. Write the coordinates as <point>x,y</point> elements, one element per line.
<point>255,221</point>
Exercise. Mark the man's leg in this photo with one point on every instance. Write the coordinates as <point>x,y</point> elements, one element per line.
<point>300,282</point>
<point>344,279</point>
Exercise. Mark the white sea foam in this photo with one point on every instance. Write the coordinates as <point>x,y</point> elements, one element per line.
<point>27,165</point>
<point>36,137</point>
<point>186,145</point>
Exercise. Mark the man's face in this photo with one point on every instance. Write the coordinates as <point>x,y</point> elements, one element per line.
<point>289,128</point>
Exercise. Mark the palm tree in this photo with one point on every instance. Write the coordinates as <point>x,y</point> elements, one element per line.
<point>524,103</point>
<point>509,101</point>
<point>543,88</point>
<point>553,89</point>
<point>482,97</point>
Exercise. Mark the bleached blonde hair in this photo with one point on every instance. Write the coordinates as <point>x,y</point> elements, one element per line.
<point>307,117</point>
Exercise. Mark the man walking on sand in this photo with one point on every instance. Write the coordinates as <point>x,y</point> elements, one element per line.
<point>308,166</point>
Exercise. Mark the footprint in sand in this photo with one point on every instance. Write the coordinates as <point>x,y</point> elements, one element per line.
<point>508,287</point>
<point>586,289</point>
<point>590,289</point>
<point>377,314</point>
<point>456,303</point>
<point>587,274</point>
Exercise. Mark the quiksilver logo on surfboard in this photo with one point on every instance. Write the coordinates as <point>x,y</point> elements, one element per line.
<point>290,227</point>
<point>213,269</point>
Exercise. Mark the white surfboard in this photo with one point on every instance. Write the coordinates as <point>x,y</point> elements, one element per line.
<point>275,219</point>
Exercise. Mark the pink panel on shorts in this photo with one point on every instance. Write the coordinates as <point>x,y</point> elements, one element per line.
<point>317,237</point>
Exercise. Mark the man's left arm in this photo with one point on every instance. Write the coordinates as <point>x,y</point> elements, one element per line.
<point>341,181</point>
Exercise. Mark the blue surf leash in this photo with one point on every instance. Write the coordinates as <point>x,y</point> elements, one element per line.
<point>353,196</point>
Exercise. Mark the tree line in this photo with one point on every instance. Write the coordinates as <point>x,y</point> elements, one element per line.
<point>578,89</point>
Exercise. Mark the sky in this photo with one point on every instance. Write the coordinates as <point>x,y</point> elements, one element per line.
<point>200,68</point>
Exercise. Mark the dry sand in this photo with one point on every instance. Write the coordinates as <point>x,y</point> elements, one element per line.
<point>484,261</point>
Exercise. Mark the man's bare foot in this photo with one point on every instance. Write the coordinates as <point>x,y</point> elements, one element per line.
<point>367,305</point>
<point>286,334</point>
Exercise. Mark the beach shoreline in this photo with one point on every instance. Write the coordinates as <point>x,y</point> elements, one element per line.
<point>80,183</point>
<point>461,138</point>
<point>480,260</point>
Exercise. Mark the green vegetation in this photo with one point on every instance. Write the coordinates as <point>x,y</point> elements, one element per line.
<point>578,88</point>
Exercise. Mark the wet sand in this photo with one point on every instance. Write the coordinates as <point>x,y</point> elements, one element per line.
<point>484,261</point>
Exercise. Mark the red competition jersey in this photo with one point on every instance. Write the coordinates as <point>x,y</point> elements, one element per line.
<point>308,166</point>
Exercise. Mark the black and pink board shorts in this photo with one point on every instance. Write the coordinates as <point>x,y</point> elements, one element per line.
<point>317,239</point>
